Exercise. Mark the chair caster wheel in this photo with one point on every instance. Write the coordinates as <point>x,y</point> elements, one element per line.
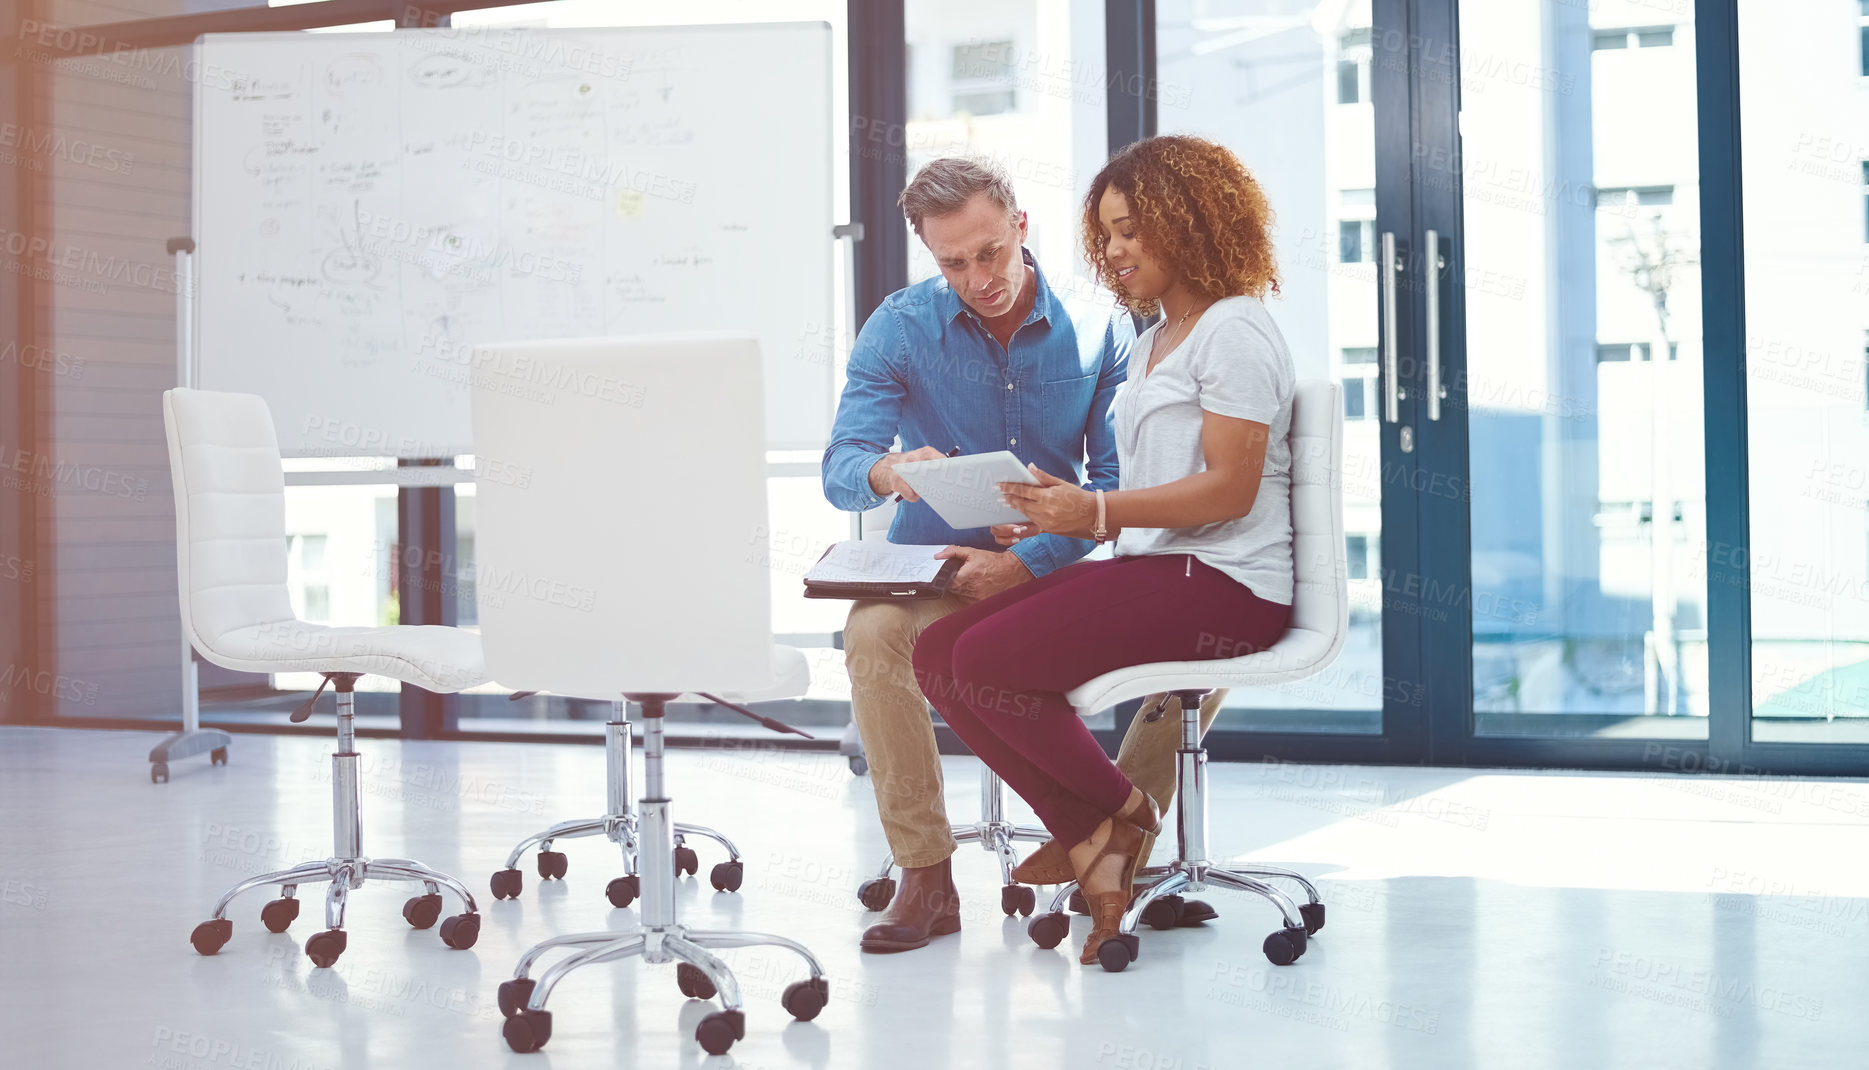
<point>1313,914</point>
<point>859,766</point>
<point>324,948</point>
<point>507,883</point>
<point>1164,913</point>
<point>1017,899</point>
<point>719,1030</point>
<point>686,861</point>
<point>552,865</point>
<point>217,756</point>
<point>876,894</point>
<point>159,773</point>
<point>1077,905</point>
<point>1282,948</point>
<point>514,994</point>
<point>693,982</point>
<point>726,876</point>
<point>422,911</point>
<point>623,890</point>
<point>1048,930</point>
<point>210,936</point>
<point>804,999</point>
<point>527,1030</point>
<point>1116,953</point>
<point>277,915</point>
<point>460,931</point>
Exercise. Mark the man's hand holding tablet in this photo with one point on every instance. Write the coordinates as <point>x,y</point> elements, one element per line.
<point>964,491</point>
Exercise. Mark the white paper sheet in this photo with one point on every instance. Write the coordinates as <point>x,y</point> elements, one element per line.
<point>876,562</point>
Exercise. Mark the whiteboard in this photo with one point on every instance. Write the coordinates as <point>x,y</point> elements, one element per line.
<point>370,206</point>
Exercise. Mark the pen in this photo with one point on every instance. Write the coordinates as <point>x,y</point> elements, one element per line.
<point>894,498</point>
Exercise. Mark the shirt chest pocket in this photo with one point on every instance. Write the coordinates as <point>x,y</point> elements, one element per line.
<point>1068,400</point>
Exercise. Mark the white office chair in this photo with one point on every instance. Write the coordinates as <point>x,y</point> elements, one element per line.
<point>618,825</point>
<point>640,529</point>
<point>1319,624</point>
<point>230,556</point>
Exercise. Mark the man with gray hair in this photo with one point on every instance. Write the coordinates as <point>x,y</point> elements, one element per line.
<point>984,357</point>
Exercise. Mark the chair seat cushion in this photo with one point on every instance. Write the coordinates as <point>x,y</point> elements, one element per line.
<point>1299,653</point>
<point>438,658</point>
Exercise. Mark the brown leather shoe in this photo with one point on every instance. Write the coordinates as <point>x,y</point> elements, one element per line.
<point>926,905</point>
<point>1050,864</point>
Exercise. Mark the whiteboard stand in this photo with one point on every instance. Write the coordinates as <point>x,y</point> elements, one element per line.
<point>850,744</point>
<point>192,739</point>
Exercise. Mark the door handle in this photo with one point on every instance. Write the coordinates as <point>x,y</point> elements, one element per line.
<point>1392,393</point>
<point>1436,263</point>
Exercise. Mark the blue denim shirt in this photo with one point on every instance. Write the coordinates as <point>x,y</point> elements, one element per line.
<point>927,371</point>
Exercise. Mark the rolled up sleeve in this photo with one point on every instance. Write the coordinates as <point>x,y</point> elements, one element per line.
<point>868,414</point>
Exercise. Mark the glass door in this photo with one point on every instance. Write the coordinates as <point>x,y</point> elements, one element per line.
<point>1314,98</point>
<point>1556,177</point>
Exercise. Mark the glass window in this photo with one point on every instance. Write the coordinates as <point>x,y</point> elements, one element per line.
<point>1357,547</point>
<point>982,77</point>
<point>335,550</point>
<point>1581,258</point>
<point>1863,35</point>
<point>1353,399</point>
<point>1805,122</point>
<point>1353,59</point>
<point>1019,81</point>
<point>1632,37</point>
<point>311,550</point>
<point>1271,80</point>
<point>1356,241</point>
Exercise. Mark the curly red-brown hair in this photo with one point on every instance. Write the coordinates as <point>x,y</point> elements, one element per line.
<point>1196,209</point>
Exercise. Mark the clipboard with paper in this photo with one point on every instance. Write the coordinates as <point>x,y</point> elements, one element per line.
<point>874,569</point>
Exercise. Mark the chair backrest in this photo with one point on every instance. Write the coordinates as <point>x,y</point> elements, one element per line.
<point>1320,617</point>
<point>230,513</point>
<point>621,540</point>
<point>1320,596</point>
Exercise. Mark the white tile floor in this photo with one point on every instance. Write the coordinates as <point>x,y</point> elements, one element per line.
<point>1477,919</point>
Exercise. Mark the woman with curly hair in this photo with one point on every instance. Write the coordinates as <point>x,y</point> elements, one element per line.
<point>1202,521</point>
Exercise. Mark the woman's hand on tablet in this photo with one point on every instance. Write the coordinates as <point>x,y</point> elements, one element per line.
<point>1055,506</point>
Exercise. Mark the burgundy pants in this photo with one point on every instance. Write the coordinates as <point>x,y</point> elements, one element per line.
<point>998,670</point>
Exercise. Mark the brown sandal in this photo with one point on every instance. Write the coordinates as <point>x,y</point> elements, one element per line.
<point>1127,829</point>
<point>1143,815</point>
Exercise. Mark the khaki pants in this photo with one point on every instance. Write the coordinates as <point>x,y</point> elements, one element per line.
<point>898,735</point>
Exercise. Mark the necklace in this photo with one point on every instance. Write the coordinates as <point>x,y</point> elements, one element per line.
<point>1171,331</point>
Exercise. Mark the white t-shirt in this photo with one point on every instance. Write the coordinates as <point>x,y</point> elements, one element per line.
<point>1233,363</point>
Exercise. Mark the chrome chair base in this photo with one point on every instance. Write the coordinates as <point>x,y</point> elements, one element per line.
<point>619,826</point>
<point>346,870</point>
<point>699,973</point>
<point>1160,904</point>
<point>993,833</point>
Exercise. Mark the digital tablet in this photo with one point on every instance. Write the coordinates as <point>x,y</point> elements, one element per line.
<point>964,491</point>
